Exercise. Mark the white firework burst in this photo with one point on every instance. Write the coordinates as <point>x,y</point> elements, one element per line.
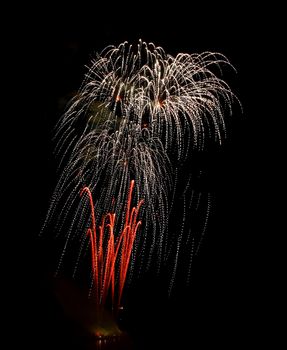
<point>138,115</point>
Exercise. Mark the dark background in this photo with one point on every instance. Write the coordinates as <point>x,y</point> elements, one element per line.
<point>226,303</point>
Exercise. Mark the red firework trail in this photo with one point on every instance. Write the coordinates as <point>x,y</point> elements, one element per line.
<point>105,249</point>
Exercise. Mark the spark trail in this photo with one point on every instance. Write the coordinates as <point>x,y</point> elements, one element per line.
<point>105,250</point>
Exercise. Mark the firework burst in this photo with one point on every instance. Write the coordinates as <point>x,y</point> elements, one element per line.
<point>138,116</point>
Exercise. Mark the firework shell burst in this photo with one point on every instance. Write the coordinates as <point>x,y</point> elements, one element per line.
<point>138,115</point>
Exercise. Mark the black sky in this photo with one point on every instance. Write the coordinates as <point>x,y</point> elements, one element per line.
<point>224,305</point>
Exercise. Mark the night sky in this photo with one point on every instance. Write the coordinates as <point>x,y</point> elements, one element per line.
<point>223,304</point>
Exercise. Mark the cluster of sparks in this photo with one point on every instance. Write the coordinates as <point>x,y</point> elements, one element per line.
<point>138,115</point>
<point>104,254</point>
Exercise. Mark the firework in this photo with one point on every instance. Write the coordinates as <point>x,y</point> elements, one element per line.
<point>105,254</point>
<point>138,116</point>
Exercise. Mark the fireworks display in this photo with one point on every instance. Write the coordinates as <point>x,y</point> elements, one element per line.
<point>121,144</point>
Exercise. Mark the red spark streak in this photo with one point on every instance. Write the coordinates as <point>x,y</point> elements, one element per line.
<point>104,262</point>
